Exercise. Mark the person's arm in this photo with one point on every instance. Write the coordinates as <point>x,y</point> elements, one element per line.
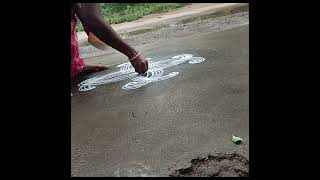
<point>91,19</point>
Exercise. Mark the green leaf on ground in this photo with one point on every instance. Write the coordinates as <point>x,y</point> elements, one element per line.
<point>236,139</point>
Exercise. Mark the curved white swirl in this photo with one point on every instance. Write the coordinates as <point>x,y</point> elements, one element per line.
<point>154,73</point>
<point>196,60</point>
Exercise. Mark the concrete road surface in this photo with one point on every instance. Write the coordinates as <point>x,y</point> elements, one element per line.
<point>152,130</point>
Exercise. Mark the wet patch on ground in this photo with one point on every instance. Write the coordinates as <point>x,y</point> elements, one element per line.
<point>220,165</point>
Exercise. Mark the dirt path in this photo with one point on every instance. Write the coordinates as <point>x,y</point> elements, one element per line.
<point>211,21</point>
<point>154,19</point>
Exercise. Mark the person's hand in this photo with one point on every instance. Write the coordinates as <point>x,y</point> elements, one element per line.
<point>140,64</point>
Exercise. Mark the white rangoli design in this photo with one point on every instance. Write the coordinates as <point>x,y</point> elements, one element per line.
<point>154,73</point>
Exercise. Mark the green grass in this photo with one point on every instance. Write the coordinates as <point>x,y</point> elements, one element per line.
<point>116,13</point>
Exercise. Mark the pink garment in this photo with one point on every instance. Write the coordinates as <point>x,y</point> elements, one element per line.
<point>77,63</point>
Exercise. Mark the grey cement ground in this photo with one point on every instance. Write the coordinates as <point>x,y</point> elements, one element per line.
<point>159,128</point>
